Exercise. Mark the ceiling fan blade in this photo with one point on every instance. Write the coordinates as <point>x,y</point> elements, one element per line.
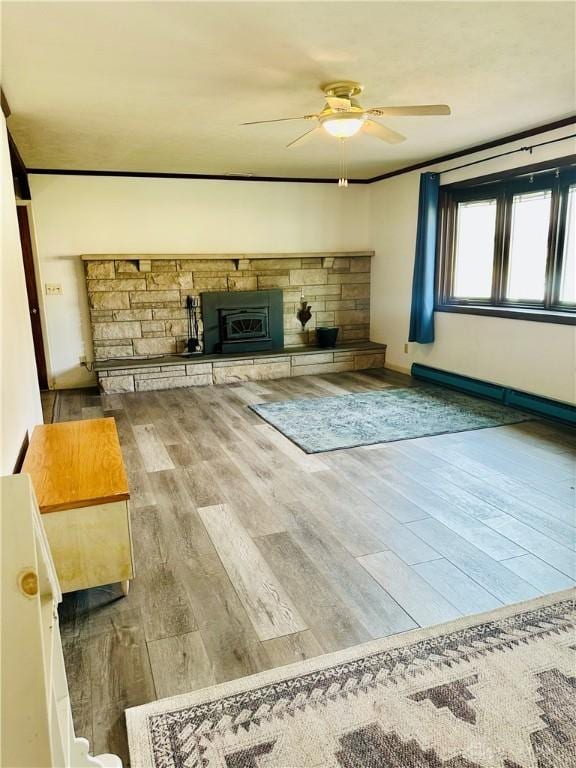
<point>382,132</point>
<point>415,111</point>
<point>304,138</point>
<point>339,103</point>
<point>281,120</point>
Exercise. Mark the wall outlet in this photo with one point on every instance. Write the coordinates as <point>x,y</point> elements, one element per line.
<point>82,359</point>
<point>405,349</point>
<point>53,289</point>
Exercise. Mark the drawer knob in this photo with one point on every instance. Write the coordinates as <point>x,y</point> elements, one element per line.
<point>28,583</point>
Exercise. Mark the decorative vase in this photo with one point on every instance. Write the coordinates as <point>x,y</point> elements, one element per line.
<point>304,313</point>
<point>327,337</point>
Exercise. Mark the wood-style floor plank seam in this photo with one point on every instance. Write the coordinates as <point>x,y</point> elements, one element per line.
<point>268,606</point>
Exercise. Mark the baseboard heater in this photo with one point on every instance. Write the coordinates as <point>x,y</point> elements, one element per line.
<point>541,406</point>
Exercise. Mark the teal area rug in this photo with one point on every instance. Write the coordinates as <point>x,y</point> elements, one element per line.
<point>346,421</point>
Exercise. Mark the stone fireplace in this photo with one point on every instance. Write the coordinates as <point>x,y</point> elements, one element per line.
<point>248,324</point>
<point>138,304</point>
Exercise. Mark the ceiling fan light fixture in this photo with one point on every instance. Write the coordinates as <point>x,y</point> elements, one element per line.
<point>343,126</point>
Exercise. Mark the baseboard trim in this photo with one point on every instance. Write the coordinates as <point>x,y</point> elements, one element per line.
<point>21,454</point>
<point>525,401</point>
<point>398,368</point>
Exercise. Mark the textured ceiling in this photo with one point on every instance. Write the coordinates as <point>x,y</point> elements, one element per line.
<point>163,86</point>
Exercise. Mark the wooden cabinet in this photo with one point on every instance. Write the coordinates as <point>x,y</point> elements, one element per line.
<point>80,482</point>
<point>91,546</point>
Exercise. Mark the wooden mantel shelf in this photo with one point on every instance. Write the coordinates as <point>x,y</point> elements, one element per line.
<point>75,464</point>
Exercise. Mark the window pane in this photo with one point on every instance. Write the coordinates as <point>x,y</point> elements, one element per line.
<point>568,282</point>
<point>476,224</point>
<point>529,246</point>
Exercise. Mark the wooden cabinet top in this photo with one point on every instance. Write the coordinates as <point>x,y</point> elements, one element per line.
<point>76,464</point>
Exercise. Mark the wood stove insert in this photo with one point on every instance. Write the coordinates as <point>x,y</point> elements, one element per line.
<point>242,321</point>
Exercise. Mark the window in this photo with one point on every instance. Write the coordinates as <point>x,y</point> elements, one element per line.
<point>568,280</point>
<point>474,249</point>
<point>528,246</point>
<point>508,247</point>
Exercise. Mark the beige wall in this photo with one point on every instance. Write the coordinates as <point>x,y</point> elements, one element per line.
<point>75,215</point>
<point>19,395</point>
<point>535,357</point>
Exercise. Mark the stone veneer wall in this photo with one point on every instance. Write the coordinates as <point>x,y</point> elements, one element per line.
<point>137,306</point>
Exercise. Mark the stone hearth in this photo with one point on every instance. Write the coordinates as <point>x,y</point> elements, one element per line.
<point>174,371</point>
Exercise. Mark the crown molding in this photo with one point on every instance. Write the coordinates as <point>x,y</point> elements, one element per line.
<point>201,176</point>
<point>545,128</point>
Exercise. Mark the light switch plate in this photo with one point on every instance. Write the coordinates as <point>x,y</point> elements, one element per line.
<point>53,289</point>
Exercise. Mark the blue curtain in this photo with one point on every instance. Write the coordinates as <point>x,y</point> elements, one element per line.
<point>422,312</point>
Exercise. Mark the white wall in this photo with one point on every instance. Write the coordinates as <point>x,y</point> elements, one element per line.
<point>535,357</point>
<point>75,215</point>
<point>19,394</point>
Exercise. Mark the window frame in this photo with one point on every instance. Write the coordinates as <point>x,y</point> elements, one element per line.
<point>558,179</point>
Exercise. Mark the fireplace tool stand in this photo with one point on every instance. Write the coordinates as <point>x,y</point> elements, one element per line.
<point>192,345</point>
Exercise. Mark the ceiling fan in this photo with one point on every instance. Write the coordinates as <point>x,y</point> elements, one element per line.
<point>343,116</point>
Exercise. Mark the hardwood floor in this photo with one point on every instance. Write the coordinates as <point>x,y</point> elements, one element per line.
<point>251,554</point>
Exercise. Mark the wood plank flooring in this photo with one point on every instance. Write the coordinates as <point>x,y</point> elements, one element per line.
<point>251,554</point>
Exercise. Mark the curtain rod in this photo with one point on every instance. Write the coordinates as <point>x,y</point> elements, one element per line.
<point>510,152</point>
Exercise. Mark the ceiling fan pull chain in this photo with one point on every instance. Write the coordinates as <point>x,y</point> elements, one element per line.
<point>343,180</point>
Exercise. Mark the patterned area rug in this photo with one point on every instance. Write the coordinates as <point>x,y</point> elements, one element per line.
<point>345,421</point>
<point>491,691</point>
